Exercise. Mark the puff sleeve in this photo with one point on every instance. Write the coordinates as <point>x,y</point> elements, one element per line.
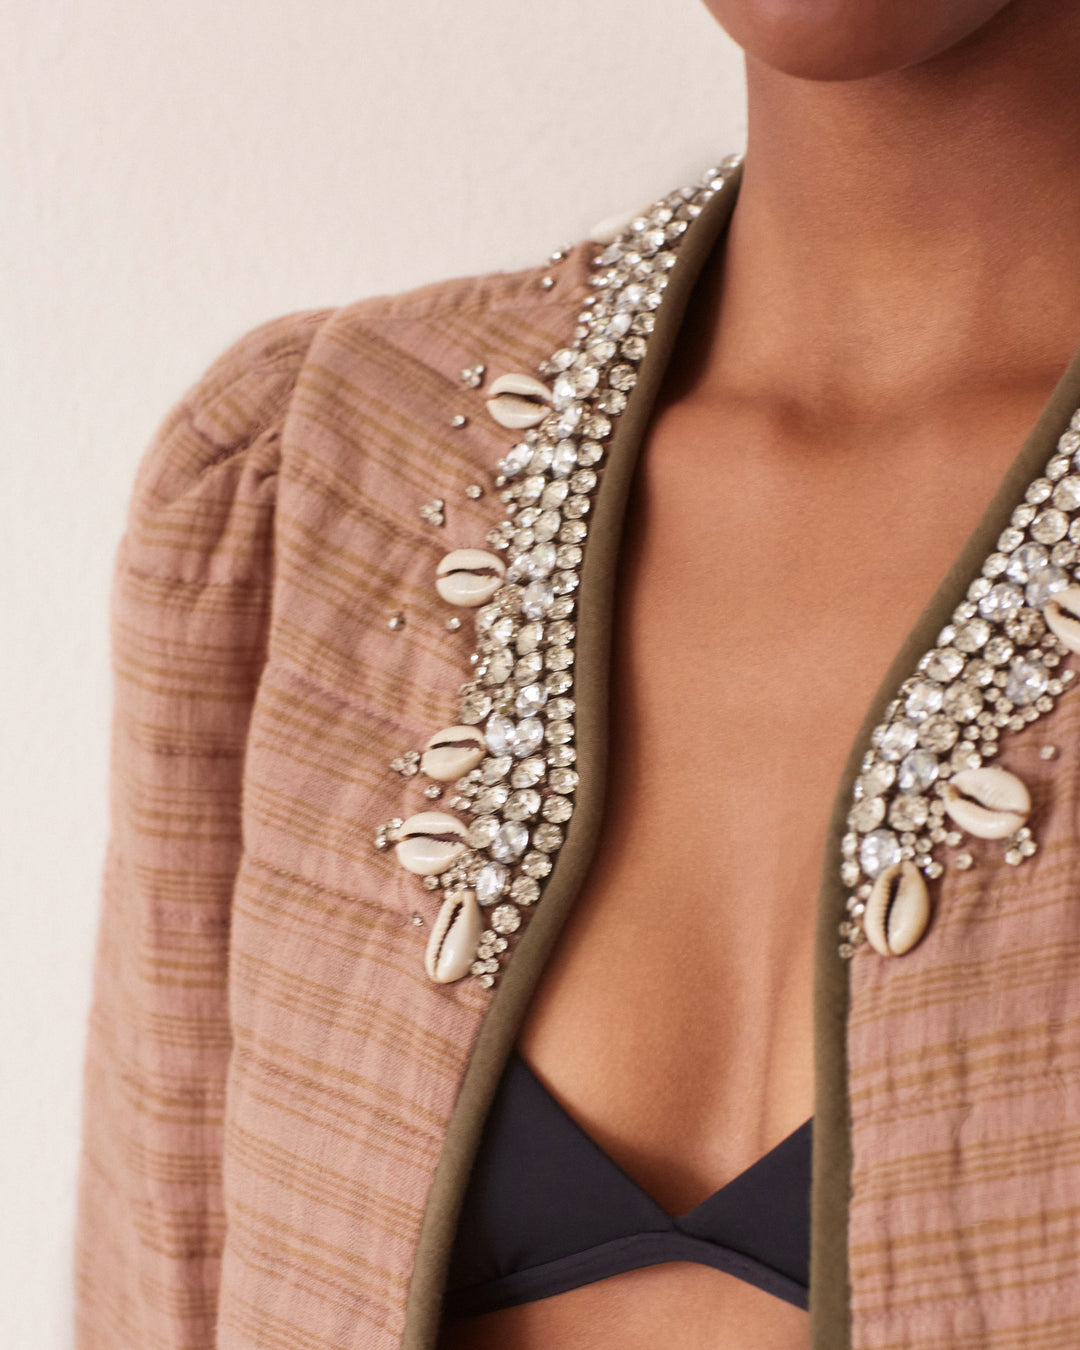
<point>189,615</point>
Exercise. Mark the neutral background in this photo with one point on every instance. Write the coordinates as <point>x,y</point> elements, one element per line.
<point>172,175</point>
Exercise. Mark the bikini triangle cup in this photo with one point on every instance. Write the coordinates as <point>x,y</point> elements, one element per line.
<point>547,1210</point>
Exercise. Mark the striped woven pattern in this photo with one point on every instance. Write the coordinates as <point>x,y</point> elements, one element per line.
<point>269,1071</point>
<point>964,1069</point>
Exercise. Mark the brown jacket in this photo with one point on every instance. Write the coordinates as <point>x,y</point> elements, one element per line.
<point>281,1106</point>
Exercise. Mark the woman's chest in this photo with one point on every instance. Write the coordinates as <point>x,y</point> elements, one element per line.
<point>761,598</point>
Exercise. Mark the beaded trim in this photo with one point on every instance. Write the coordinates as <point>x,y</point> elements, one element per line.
<point>520,796</point>
<point>993,669</point>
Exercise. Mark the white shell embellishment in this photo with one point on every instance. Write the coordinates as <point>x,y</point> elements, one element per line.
<point>451,948</point>
<point>1062,615</point>
<point>452,753</point>
<point>897,911</point>
<point>989,803</point>
<point>519,401</point>
<point>469,577</point>
<point>429,842</point>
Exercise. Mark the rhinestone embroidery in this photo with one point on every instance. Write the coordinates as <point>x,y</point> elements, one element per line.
<point>520,799</point>
<point>992,670</point>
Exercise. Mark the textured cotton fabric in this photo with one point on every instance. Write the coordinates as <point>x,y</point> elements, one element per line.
<point>272,1082</point>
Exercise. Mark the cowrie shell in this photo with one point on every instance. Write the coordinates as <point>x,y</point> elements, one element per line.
<point>897,911</point>
<point>519,401</point>
<point>429,842</point>
<point>1062,615</point>
<point>451,753</point>
<point>469,577</point>
<point>990,803</point>
<point>452,945</point>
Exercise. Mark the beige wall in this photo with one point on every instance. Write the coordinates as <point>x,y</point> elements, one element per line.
<point>172,174</point>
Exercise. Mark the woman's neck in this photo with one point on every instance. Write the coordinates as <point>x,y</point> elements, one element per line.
<point>913,230</point>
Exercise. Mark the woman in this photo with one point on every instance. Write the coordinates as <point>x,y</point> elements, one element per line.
<point>833,395</point>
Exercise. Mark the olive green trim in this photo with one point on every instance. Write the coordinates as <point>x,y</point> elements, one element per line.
<point>519,977</point>
<point>830,1288</point>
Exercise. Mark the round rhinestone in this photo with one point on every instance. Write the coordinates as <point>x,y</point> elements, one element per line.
<point>510,842</point>
<point>1024,561</point>
<point>1049,526</point>
<point>547,838</point>
<point>917,771</point>
<point>866,815</point>
<point>924,699</point>
<point>944,664</point>
<point>972,635</point>
<point>563,780</point>
<point>1000,600</point>
<point>525,891</point>
<point>523,805</point>
<point>537,599</point>
<point>896,740</point>
<point>490,883</point>
<point>1044,582</point>
<point>963,702</point>
<point>490,800</point>
<point>558,809</point>
<point>875,780</point>
<point>1067,494</point>
<point>528,772</point>
<point>530,699</point>
<point>1025,626</point>
<point>506,918</point>
<point>535,865</point>
<point>938,734</point>
<point>1027,680</point>
<point>879,850</point>
<point>908,812</point>
<point>481,832</point>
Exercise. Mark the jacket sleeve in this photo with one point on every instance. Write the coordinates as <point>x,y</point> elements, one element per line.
<point>189,615</point>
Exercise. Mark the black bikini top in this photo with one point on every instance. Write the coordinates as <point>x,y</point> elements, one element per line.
<point>547,1210</point>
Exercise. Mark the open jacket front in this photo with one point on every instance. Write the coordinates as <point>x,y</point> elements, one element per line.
<point>281,1107</point>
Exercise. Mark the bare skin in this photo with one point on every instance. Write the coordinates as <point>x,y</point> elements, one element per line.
<point>897,296</point>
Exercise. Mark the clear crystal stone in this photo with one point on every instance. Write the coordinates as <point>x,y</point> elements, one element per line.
<point>547,526</point>
<point>564,459</point>
<point>908,812</point>
<point>490,883</point>
<point>529,638</point>
<point>997,651</point>
<point>563,780</point>
<point>537,599</point>
<point>875,780</point>
<point>963,702</point>
<point>1049,526</point>
<point>530,699</point>
<point>866,815</point>
<point>1026,626</point>
<point>558,809</point>
<point>1010,539</point>
<point>510,842</point>
<point>1044,583</point>
<point>491,799</point>
<point>535,865</point>
<point>525,891</point>
<point>558,682</point>
<point>1027,680</point>
<point>547,838</point>
<point>972,635</point>
<point>1067,494</point>
<point>944,664</point>
<point>528,772</point>
<point>475,706</point>
<point>924,699</point>
<point>481,832</point>
<point>1024,561</point>
<point>896,740</point>
<point>918,770</point>
<point>523,805</point>
<point>878,850</point>
<point>1000,600</point>
<point>938,734</point>
<point>494,770</point>
<point>1038,490</point>
<point>506,918</point>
